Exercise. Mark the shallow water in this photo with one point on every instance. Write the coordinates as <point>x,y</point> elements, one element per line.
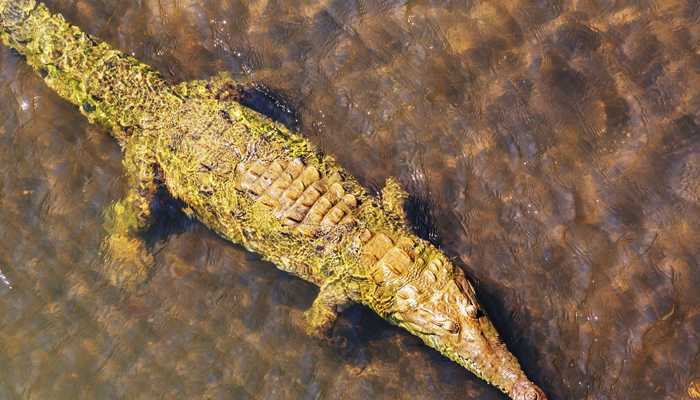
<point>551,147</point>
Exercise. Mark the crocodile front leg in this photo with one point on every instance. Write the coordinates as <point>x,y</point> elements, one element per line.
<point>128,263</point>
<point>322,315</point>
<point>321,319</point>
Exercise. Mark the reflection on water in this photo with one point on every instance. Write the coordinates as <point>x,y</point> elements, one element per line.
<point>551,147</point>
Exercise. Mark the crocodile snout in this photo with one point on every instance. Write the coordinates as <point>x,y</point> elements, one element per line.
<point>448,317</point>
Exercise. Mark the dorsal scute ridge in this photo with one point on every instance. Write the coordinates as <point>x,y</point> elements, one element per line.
<point>299,195</point>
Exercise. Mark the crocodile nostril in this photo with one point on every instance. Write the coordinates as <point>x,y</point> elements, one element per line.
<point>532,395</point>
<point>526,390</point>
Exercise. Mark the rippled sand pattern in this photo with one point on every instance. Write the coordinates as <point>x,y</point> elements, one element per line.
<point>551,147</point>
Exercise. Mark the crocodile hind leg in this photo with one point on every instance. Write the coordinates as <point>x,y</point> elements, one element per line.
<point>128,263</point>
<point>227,88</point>
<point>222,87</point>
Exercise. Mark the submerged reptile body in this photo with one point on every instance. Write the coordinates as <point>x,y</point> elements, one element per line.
<point>255,183</point>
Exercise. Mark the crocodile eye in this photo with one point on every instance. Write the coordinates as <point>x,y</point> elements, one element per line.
<point>450,326</point>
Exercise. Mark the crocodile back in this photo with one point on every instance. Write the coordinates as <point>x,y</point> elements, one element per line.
<point>254,182</point>
<point>257,184</point>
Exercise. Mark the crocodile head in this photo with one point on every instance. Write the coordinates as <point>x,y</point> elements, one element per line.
<point>447,316</point>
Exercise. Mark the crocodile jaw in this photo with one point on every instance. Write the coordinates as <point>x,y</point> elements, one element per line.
<point>450,320</point>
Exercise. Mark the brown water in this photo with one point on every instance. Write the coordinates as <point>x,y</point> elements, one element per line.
<point>551,147</point>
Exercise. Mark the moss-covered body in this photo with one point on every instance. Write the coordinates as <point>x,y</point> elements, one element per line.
<point>255,183</point>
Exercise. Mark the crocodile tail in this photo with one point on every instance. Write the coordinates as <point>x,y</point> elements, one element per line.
<point>111,88</point>
<point>13,15</point>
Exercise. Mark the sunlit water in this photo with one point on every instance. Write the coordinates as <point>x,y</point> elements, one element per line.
<point>551,147</point>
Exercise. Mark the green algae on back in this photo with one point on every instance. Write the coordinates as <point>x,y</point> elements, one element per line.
<point>255,183</point>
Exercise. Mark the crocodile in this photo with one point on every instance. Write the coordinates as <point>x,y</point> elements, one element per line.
<point>256,183</point>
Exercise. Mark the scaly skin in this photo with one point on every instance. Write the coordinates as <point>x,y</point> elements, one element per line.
<point>256,183</point>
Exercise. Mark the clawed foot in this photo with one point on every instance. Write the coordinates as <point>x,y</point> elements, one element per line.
<point>344,342</point>
<point>127,262</point>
